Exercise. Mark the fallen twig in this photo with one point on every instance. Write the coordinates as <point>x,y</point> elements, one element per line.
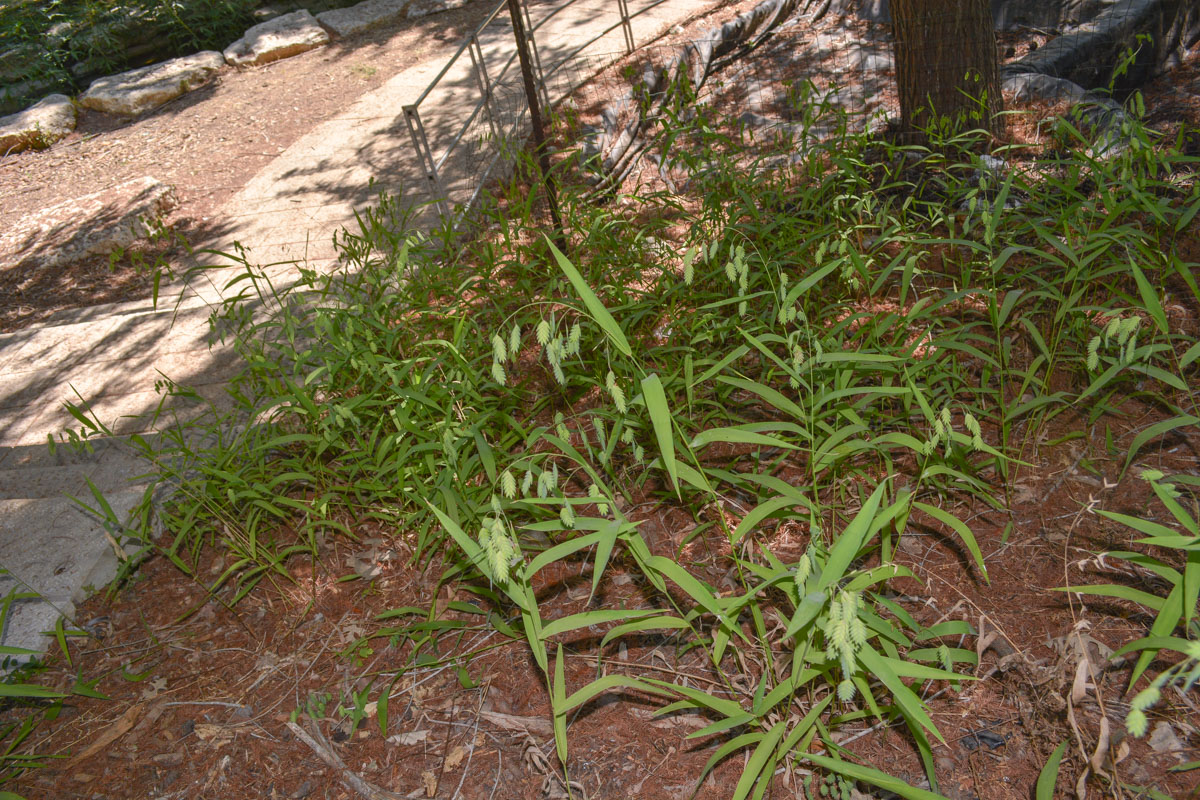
<point>351,779</point>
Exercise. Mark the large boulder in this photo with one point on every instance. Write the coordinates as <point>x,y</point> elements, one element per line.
<point>361,17</point>
<point>137,91</point>
<point>95,224</point>
<point>40,125</point>
<point>281,37</point>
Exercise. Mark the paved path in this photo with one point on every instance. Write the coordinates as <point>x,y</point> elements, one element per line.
<point>113,355</point>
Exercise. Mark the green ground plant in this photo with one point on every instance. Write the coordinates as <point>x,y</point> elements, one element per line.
<point>1177,612</point>
<point>847,341</point>
<point>35,703</point>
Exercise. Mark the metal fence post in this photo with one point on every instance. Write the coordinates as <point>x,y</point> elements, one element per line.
<point>485,85</point>
<point>535,117</point>
<point>537,58</point>
<point>626,26</point>
<point>416,130</point>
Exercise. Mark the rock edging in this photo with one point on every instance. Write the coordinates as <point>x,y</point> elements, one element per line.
<point>38,126</point>
<point>281,37</point>
<point>140,90</point>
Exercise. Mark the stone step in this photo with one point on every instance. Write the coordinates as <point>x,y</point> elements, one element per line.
<point>54,547</point>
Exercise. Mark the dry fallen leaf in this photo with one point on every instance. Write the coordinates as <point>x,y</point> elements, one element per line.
<point>538,725</point>
<point>154,688</point>
<point>408,738</point>
<point>215,735</point>
<point>1102,744</point>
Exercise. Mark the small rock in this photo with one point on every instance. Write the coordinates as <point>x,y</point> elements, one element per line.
<point>303,790</point>
<point>1163,739</point>
<point>983,738</point>
<point>40,125</point>
<point>361,17</point>
<point>168,759</point>
<point>423,8</point>
<point>278,38</point>
<point>139,90</point>
<point>994,167</point>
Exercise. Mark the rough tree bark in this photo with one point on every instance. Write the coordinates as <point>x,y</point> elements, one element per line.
<point>947,68</point>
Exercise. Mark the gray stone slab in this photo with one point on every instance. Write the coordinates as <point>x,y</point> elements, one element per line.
<point>55,548</point>
<point>281,37</point>
<point>423,8</point>
<point>26,483</point>
<point>98,223</point>
<point>140,90</point>
<point>361,17</point>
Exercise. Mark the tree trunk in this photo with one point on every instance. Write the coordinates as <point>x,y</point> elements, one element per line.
<point>946,66</point>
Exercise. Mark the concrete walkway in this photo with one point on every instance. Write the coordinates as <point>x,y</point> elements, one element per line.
<point>111,356</point>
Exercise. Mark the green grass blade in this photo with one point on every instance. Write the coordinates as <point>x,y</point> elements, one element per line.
<point>850,541</point>
<point>1150,601</point>
<point>561,551</point>
<point>605,684</point>
<point>27,690</point>
<point>808,610</point>
<point>909,704</point>
<point>592,302</point>
<point>694,588</point>
<point>871,776</point>
<point>1168,618</point>
<point>720,705</point>
<point>729,748</point>
<point>646,624</point>
<point>604,548</point>
<point>558,700</point>
<point>660,418</point>
<point>1157,429</point>
<point>762,755</point>
<point>1049,775</point>
<point>1189,355</point>
<point>759,513</point>
<point>959,527</point>
<point>738,435</point>
<point>1149,297</point>
<point>573,622</point>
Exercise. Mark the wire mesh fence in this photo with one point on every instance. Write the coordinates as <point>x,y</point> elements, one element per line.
<point>459,153</point>
<point>770,66</point>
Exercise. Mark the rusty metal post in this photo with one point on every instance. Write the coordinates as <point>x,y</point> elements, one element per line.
<point>535,117</point>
